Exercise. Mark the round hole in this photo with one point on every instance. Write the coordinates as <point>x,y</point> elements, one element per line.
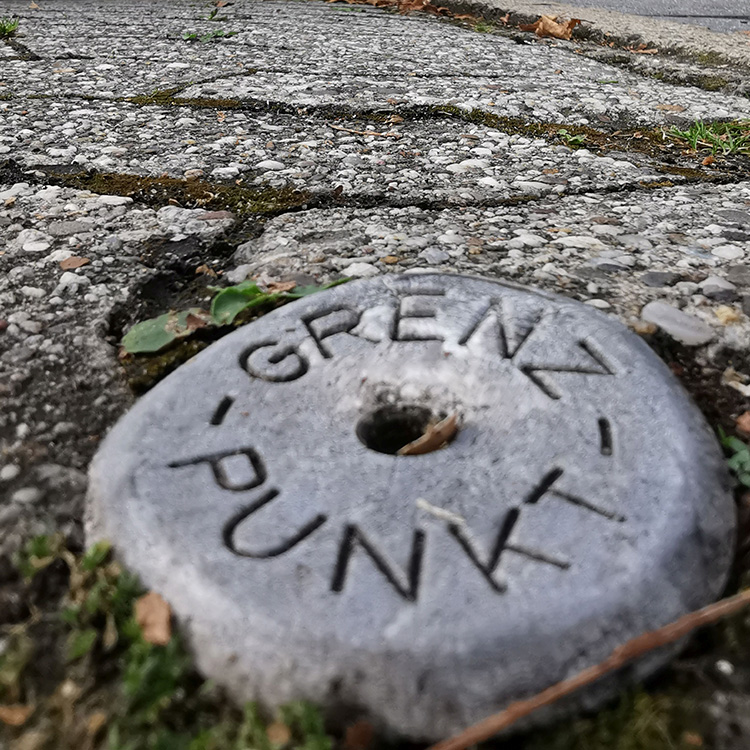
<point>390,428</point>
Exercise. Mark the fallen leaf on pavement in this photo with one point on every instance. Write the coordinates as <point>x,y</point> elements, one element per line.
<point>435,436</point>
<point>153,615</point>
<point>95,722</point>
<point>708,160</point>
<point>73,262</point>
<point>205,269</point>
<point>278,733</point>
<point>15,715</point>
<point>359,736</point>
<point>33,5</point>
<point>743,423</point>
<point>670,107</point>
<point>280,286</point>
<point>642,49</point>
<point>549,26</point>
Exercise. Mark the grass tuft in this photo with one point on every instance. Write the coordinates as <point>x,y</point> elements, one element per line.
<point>717,137</point>
<point>8,27</point>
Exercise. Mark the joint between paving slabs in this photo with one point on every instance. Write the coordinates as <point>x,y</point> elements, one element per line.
<point>650,141</point>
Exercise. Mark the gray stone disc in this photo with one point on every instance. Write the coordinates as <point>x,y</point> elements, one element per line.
<point>582,502</point>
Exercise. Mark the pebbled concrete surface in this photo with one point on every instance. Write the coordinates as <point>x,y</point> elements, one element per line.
<point>413,142</point>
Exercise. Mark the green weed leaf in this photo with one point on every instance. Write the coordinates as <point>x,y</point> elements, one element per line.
<point>154,335</point>
<point>80,642</point>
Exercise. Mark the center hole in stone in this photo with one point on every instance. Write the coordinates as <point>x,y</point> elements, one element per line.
<point>390,428</point>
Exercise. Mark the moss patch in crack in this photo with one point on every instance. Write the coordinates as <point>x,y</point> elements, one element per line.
<point>160,191</point>
<point>167,98</point>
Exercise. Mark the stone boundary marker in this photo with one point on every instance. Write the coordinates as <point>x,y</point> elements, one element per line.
<point>582,501</point>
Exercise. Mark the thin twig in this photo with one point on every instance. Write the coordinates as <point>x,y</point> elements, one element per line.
<point>618,658</point>
<point>366,132</point>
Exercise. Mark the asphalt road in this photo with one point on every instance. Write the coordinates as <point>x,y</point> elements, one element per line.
<point>720,15</point>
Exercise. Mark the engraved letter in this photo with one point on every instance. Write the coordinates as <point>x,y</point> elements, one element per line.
<point>406,586</point>
<point>270,360</point>
<point>235,470</point>
<point>292,540</point>
<point>414,319</point>
<point>326,323</point>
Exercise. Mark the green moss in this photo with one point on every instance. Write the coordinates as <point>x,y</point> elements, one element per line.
<point>159,191</point>
<point>145,371</point>
<point>167,98</point>
<point>639,721</point>
<point>117,689</point>
<point>713,83</point>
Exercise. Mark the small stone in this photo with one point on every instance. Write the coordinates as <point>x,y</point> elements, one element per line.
<point>68,228</point>
<point>635,242</point>
<point>725,667</point>
<point>9,472</point>
<point>608,264</point>
<point>681,326</point>
<point>433,256</point>
<point>582,241</point>
<point>600,304</point>
<point>34,292</point>
<point>715,287</point>
<point>467,165</point>
<point>361,270</point>
<point>38,246</point>
<point>660,278</point>
<point>269,165</point>
<point>27,495</point>
<point>728,252</point>
<point>226,172</point>
<point>114,200</point>
<point>739,274</point>
<point>735,216</point>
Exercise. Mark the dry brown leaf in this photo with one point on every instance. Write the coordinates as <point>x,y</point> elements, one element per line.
<point>15,715</point>
<point>207,270</point>
<point>280,286</point>
<point>435,436</point>
<point>96,722</point>
<point>550,27</point>
<point>154,616</point>
<point>670,107</point>
<point>693,739</point>
<point>642,49</point>
<point>743,423</point>
<point>390,259</point>
<point>708,161</point>
<point>359,736</point>
<point>73,262</point>
<point>278,733</point>
<point>33,5</point>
